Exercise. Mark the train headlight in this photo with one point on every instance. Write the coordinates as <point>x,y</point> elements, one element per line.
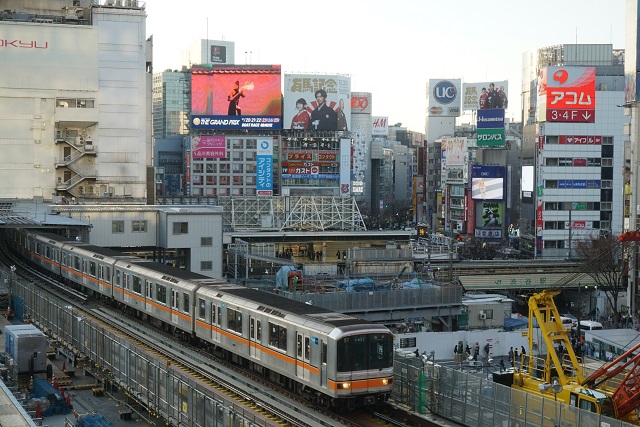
<point>385,381</point>
<point>344,386</point>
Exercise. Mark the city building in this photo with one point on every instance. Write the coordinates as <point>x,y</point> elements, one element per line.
<point>577,149</point>
<point>77,115</point>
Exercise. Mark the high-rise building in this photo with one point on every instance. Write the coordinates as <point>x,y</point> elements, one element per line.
<point>171,103</point>
<point>76,116</point>
<point>206,51</point>
<point>574,139</point>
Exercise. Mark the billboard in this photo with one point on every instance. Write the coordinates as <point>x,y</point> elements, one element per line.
<point>487,188</point>
<point>567,94</point>
<point>379,126</point>
<point>444,97</point>
<point>208,146</point>
<point>489,215</point>
<point>485,95</point>
<point>236,97</point>
<point>456,149</point>
<point>264,166</point>
<point>218,54</point>
<point>345,167</point>
<point>361,103</point>
<point>490,128</point>
<point>317,102</point>
<point>526,184</point>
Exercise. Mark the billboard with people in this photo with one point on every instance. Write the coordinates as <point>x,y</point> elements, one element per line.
<point>236,97</point>
<point>317,102</point>
<point>485,95</point>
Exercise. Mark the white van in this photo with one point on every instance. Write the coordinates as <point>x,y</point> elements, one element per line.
<point>566,322</point>
<point>589,325</point>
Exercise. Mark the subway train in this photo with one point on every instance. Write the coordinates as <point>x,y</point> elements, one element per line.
<point>333,359</point>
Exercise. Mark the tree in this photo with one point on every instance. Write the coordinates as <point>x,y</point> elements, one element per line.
<point>606,261</point>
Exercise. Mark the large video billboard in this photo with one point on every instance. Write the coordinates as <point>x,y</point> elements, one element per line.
<point>487,182</point>
<point>317,102</point>
<point>489,214</point>
<point>485,95</point>
<point>444,97</point>
<point>567,95</point>
<point>236,97</point>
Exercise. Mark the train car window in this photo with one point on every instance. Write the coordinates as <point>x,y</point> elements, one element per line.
<point>125,281</point>
<point>324,352</point>
<point>100,272</point>
<point>213,314</point>
<point>277,336</point>
<point>307,348</point>
<point>76,262</point>
<point>259,331</point>
<point>149,290</point>
<point>118,277</point>
<point>137,284</point>
<point>252,328</point>
<point>299,346</point>
<point>234,320</point>
<point>108,275</point>
<point>64,258</point>
<point>84,266</point>
<point>92,268</point>
<point>185,303</point>
<point>161,293</point>
<point>37,247</point>
<point>219,316</point>
<point>47,252</point>
<point>174,299</point>
<point>202,312</point>
<point>380,349</point>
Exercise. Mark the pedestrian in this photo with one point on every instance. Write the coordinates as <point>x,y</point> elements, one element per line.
<point>523,351</point>
<point>417,352</point>
<point>476,352</point>
<point>511,354</point>
<point>487,347</point>
<point>338,254</point>
<point>455,349</point>
<point>502,367</point>
<point>515,354</point>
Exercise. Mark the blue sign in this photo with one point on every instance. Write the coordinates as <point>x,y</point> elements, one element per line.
<point>264,167</point>
<point>481,171</point>
<point>236,122</point>
<point>445,92</point>
<point>491,119</point>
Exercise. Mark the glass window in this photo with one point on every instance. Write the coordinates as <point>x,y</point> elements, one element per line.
<point>137,284</point>
<point>76,262</point>
<point>138,226</point>
<point>259,331</point>
<point>117,226</point>
<point>185,303</point>
<point>92,268</point>
<point>161,293</point>
<point>206,241</point>
<point>180,228</point>
<point>277,336</point>
<point>360,352</point>
<point>206,265</point>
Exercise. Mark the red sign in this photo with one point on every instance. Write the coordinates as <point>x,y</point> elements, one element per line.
<point>579,162</point>
<point>570,94</point>
<point>359,103</point>
<point>582,140</point>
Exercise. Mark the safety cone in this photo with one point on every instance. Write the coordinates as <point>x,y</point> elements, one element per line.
<point>62,392</point>
<point>69,400</point>
<point>55,383</point>
<point>38,411</point>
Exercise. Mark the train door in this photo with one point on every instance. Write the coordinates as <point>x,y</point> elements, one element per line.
<point>323,363</point>
<point>215,327</point>
<point>303,353</point>
<point>175,301</point>
<point>148,295</point>
<point>254,327</point>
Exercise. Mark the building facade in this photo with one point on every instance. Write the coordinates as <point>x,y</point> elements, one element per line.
<point>77,115</point>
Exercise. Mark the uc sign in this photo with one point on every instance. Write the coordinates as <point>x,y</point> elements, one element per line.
<point>359,103</point>
<point>445,92</point>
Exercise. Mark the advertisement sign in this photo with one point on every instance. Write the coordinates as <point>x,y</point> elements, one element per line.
<point>208,146</point>
<point>489,215</point>
<point>317,102</point>
<point>580,140</point>
<point>444,97</point>
<point>485,95</point>
<point>456,149</point>
<point>361,102</point>
<point>236,97</point>
<point>264,167</point>
<point>379,126</point>
<point>218,54</point>
<point>567,94</point>
<point>345,167</point>
<point>490,128</point>
<point>487,188</point>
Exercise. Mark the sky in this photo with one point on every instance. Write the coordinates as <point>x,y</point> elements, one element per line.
<point>389,48</point>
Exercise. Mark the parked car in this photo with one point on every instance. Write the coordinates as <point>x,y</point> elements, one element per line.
<point>573,318</point>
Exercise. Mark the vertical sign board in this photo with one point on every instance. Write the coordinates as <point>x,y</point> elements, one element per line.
<point>264,167</point>
<point>444,98</point>
<point>567,94</point>
<point>187,169</point>
<point>345,167</point>
<point>490,128</point>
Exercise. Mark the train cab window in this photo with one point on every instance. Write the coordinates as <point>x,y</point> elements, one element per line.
<point>137,284</point>
<point>202,310</point>
<point>259,331</point>
<point>360,352</point>
<point>92,268</point>
<point>161,293</point>
<point>185,303</point>
<point>76,262</point>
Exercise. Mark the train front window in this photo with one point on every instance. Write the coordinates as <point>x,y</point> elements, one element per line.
<point>361,352</point>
